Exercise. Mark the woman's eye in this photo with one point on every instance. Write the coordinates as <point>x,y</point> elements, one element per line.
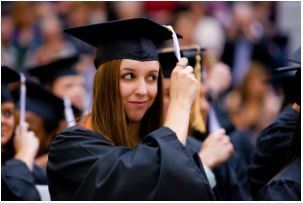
<point>152,77</point>
<point>7,114</point>
<point>128,76</point>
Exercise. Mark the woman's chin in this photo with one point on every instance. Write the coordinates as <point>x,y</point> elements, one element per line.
<point>135,118</point>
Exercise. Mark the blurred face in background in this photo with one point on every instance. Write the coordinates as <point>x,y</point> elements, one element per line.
<point>73,87</point>
<point>126,9</point>
<point>7,121</point>
<point>255,82</point>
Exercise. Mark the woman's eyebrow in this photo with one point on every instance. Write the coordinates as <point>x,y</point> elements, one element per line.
<point>154,71</point>
<point>127,68</point>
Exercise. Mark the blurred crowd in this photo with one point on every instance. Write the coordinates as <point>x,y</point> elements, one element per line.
<point>242,41</point>
<point>242,35</point>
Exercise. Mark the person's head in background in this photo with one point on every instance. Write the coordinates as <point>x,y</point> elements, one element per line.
<point>62,79</point>
<point>287,79</point>
<point>255,84</point>
<point>168,61</point>
<point>7,115</point>
<point>53,43</point>
<point>8,107</point>
<point>78,14</point>
<point>127,90</point>
<point>185,23</point>
<point>44,113</point>
<point>23,14</point>
<point>8,121</point>
<point>127,9</point>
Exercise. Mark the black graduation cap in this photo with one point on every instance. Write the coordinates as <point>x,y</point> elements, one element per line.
<point>51,71</point>
<point>168,59</point>
<point>42,102</point>
<point>8,75</point>
<point>289,78</point>
<point>136,39</point>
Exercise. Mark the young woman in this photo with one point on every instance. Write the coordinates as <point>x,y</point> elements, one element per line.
<point>19,174</point>
<point>121,150</point>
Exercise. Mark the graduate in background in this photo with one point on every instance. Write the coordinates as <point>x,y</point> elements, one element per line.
<point>275,140</point>
<point>45,116</point>
<point>286,185</point>
<point>19,147</point>
<point>121,151</point>
<point>216,149</point>
<point>62,79</point>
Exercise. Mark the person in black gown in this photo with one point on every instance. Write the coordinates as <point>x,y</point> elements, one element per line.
<point>121,150</point>
<point>286,185</point>
<point>19,174</point>
<point>275,140</point>
<point>229,181</point>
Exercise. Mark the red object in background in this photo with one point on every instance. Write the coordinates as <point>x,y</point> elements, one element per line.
<point>151,6</point>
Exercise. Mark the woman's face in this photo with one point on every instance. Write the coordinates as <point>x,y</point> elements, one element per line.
<point>166,99</point>
<point>7,121</point>
<point>138,86</point>
<point>73,87</point>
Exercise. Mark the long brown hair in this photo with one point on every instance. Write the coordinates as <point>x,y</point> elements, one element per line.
<point>108,116</point>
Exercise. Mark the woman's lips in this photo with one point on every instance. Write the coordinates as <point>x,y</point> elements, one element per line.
<point>138,104</point>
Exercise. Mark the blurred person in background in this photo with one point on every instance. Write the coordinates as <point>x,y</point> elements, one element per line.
<point>126,10</point>
<point>275,140</point>
<point>246,42</point>
<point>286,184</point>
<point>254,105</point>
<point>184,23</point>
<point>224,169</point>
<point>78,15</point>
<point>8,51</point>
<point>45,116</point>
<point>26,35</point>
<point>208,32</point>
<point>53,44</point>
<point>19,147</point>
<point>61,77</point>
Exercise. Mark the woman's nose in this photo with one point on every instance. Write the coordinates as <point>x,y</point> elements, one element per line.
<point>141,88</point>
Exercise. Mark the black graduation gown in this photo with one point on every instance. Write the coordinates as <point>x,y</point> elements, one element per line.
<point>272,144</point>
<point>18,182</point>
<point>241,140</point>
<point>284,187</point>
<point>83,165</point>
<point>231,177</point>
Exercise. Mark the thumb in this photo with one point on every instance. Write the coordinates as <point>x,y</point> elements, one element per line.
<point>221,131</point>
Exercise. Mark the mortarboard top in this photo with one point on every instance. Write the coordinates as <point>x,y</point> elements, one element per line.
<point>284,73</point>
<point>168,59</point>
<point>295,60</point>
<point>135,39</point>
<point>51,71</point>
<point>8,75</point>
<point>296,57</point>
<point>289,77</point>
<point>42,102</point>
